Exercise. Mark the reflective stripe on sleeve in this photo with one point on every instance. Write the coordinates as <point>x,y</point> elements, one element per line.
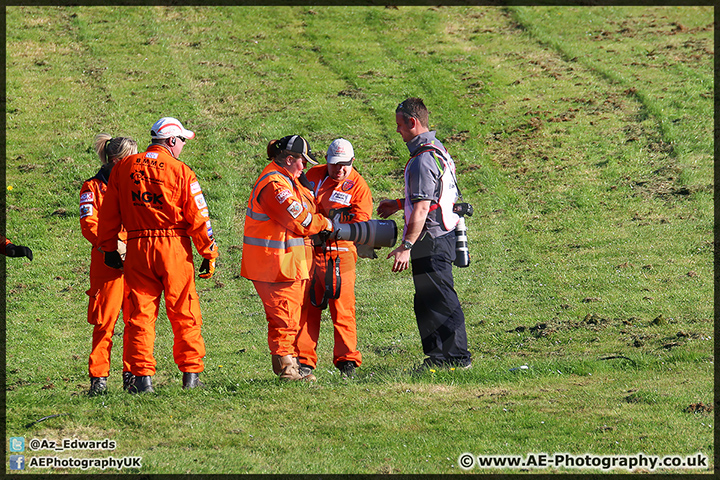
<point>275,244</point>
<point>260,217</point>
<point>307,220</point>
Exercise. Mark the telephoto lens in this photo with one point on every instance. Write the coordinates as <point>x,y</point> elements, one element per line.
<point>462,254</point>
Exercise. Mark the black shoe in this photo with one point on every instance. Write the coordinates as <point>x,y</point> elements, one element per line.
<point>426,365</point>
<point>464,364</point>
<point>347,368</point>
<point>192,380</point>
<point>127,379</point>
<point>141,384</point>
<point>98,386</point>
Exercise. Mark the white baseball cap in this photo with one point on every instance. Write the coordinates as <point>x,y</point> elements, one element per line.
<point>340,152</point>
<point>168,127</point>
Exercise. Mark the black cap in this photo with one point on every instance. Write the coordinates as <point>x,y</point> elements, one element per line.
<point>297,144</point>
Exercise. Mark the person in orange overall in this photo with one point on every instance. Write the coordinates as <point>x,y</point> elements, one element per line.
<point>107,285</point>
<point>337,186</point>
<point>279,219</point>
<point>9,249</point>
<point>158,200</point>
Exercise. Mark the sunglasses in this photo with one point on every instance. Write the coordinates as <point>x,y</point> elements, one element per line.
<point>183,139</point>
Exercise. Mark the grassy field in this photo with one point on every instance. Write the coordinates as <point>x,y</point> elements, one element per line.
<point>583,138</point>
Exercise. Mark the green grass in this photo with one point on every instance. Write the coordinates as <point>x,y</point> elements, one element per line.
<point>583,138</point>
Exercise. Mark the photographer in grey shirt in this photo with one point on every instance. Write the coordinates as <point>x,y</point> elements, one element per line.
<point>429,238</point>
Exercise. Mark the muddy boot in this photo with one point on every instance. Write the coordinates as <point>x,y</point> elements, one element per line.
<point>277,367</point>
<point>98,386</point>
<point>285,367</point>
<point>142,384</point>
<point>191,380</point>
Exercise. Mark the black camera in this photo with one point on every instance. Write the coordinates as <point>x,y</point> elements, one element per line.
<point>463,209</point>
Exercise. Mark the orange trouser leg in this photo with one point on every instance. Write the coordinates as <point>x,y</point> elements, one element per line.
<point>282,302</point>
<point>154,265</point>
<point>141,307</point>
<point>342,312</point>
<point>309,333</point>
<point>106,298</point>
<point>183,306</point>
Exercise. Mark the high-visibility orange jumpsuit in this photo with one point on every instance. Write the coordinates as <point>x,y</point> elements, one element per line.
<point>276,253</point>
<point>352,193</point>
<point>159,201</point>
<point>107,285</point>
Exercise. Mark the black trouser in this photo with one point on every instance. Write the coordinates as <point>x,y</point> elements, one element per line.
<point>438,312</point>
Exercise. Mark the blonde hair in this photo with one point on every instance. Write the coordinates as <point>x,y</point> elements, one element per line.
<point>109,148</point>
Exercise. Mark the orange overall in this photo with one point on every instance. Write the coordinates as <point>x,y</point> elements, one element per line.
<point>158,200</point>
<point>352,193</point>
<point>276,252</point>
<point>107,285</point>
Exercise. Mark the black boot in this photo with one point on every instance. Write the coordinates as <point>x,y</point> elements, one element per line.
<point>98,385</point>
<point>142,384</point>
<point>347,368</point>
<point>127,379</point>
<point>192,380</point>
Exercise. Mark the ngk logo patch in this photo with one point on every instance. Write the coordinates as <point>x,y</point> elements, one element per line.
<point>282,196</point>
<point>148,198</point>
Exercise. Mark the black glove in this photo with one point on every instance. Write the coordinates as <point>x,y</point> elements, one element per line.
<point>324,235</point>
<point>207,268</point>
<point>18,251</point>
<point>113,260</point>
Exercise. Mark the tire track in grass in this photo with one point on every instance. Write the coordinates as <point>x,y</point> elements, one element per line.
<point>660,59</point>
<point>358,47</point>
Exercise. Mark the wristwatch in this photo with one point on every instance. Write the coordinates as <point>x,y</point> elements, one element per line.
<point>407,245</point>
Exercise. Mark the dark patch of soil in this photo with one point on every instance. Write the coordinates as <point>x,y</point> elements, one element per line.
<point>699,408</point>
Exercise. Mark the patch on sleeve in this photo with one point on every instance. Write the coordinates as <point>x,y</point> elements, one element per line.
<point>204,213</point>
<point>86,197</point>
<point>307,220</point>
<point>200,201</point>
<point>209,228</point>
<point>194,188</point>
<point>282,196</point>
<point>86,210</point>
<point>340,197</point>
<point>295,209</point>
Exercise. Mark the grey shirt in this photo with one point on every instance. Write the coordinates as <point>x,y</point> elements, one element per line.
<point>422,181</point>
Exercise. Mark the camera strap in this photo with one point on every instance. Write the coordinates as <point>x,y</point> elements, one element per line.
<point>332,270</point>
<point>432,148</point>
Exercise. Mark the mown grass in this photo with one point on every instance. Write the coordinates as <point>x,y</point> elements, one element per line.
<point>583,137</point>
